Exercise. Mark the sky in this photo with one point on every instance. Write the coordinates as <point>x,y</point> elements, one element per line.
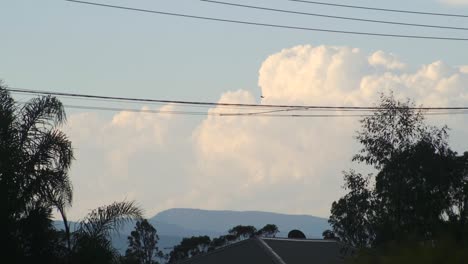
<point>286,165</point>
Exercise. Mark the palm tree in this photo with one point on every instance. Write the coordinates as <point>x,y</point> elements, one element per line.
<point>92,240</point>
<point>35,157</point>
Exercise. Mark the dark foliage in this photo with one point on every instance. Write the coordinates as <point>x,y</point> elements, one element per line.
<point>190,247</point>
<point>90,249</point>
<point>268,230</point>
<point>35,157</point>
<point>91,243</point>
<point>441,252</point>
<point>352,216</point>
<point>142,244</point>
<point>242,232</point>
<point>329,235</point>
<point>417,197</point>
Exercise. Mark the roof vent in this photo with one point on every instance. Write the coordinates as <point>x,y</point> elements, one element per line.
<point>296,234</point>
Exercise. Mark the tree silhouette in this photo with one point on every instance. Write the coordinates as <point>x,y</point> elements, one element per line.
<point>329,235</point>
<point>394,127</point>
<point>419,192</point>
<point>242,232</point>
<point>189,247</point>
<point>268,230</point>
<point>92,243</point>
<point>218,242</point>
<point>351,217</point>
<point>35,157</point>
<point>458,212</point>
<point>143,243</point>
<point>412,192</point>
<point>193,246</point>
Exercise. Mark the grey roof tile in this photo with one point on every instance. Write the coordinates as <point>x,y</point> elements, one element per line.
<point>275,251</point>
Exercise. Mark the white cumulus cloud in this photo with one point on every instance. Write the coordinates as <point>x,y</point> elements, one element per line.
<point>290,165</point>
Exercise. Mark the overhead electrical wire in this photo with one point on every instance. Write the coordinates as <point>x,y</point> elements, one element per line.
<point>120,109</point>
<point>332,16</point>
<point>199,113</point>
<point>271,25</point>
<point>191,106</point>
<point>263,110</point>
<point>104,98</point>
<point>163,102</point>
<point>271,113</point>
<point>381,9</point>
<point>261,114</point>
<point>259,110</point>
<point>219,114</point>
<point>213,104</point>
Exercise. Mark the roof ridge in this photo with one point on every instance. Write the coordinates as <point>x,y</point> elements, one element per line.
<point>301,240</point>
<point>237,243</point>
<point>275,257</point>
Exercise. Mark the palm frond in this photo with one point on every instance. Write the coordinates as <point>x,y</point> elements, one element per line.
<point>57,189</point>
<point>7,115</point>
<point>102,221</point>
<point>51,149</point>
<point>40,113</point>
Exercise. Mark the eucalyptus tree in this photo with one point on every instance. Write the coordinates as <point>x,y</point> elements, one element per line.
<point>418,186</point>
<point>189,247</point>
<point>142,244</point>
<point>395,127</point>
<point>269,230</point>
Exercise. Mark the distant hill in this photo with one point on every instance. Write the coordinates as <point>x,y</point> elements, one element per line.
<point>214,223</point>
<point>174,224</point>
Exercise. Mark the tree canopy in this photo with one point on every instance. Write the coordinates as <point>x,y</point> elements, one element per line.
<point>92,242</point>
<point>419,190</point>
<point>142,244</point>
<point>194,246</point>
<point>35,157</point>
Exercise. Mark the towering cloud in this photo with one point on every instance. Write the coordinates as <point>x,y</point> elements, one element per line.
<point>288,165</point>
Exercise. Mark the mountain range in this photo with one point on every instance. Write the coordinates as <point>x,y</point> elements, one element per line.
<point>174,224</point>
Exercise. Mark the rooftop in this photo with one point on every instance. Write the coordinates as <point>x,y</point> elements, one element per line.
<point>276,251</point>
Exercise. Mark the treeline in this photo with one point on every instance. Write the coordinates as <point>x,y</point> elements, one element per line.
<point>196,245</point>
<point>414,208</point>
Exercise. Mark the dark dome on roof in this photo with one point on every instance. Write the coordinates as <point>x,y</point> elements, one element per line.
<point>297,234</point>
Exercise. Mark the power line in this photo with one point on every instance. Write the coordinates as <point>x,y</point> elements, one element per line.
<point>260,114</point>
<point>140,100</point>
<point>381,9</point>
<point>260,107</point>
<point>213,104</point>
<point>105,99</point>
<point>149,111</point>
<point>335,17</point>
<point>197,106</point>
<point>219,114</point>
<point>271,25</point>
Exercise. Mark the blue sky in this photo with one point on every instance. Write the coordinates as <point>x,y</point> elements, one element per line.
<point>160,161</point>
<point>58,45</point>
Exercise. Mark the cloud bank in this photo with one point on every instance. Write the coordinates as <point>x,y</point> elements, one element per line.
<point>290,165</point>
